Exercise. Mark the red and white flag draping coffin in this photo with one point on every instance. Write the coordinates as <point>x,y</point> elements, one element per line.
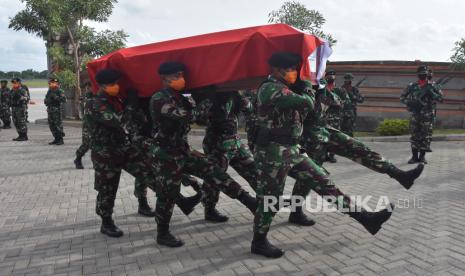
<point>230,59</point>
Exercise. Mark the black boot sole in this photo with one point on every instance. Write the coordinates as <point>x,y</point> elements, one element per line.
<point>408,184</point>
<point>301,221</point>
<point>146,213</point>
<point>111,234</point>
<point>374,227</point>
<point>173,244</point>
<point>216,219</point>
<point>265,252</point>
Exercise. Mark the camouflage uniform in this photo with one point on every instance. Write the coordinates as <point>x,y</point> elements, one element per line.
<point>85,145</point>
<point>5,106</point>
<point>222,144</point>
<point>318,138</point>
<point>54,100</point>
<point>173,155</point>
<point>251,118</point>
<point>280,116</point>
<point>19,101</point>
<point>421,102</point>
<point>334,112</point>
<point>350,96</point>
<point>112,152</point>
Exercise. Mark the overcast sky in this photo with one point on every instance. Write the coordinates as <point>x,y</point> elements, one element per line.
<point>365,29</point>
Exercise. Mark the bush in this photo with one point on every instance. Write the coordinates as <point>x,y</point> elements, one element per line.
<point>393,127</point>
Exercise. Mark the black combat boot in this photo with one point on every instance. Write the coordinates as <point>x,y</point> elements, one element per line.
<point>164,237</point>
<point>144,208</point>
<point>414,158</point>
<point>331,158</point>
<point>109,228</point>
<point>372,221</point>
<point>6,127</point>
<point>21,137</point>
<point>406,178</point>
<point>213,215</point>
<point>59,142</point>
<point>300,218</point>
<point>422,157</point>
<point>78,163</point>
<point>187,204</point>
<point>249,201</point>
<point>54,142</point>
<point>261,246</point>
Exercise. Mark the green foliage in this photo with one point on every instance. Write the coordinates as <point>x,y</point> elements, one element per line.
<point>26,74</point>
<point>97,44</point>
<point>393,127</point>
<point>297,15</point>
<point>67,78</point>
<point>458,58</point>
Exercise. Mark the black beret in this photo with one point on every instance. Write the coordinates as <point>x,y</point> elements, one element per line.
<point>53,80</point>
<point>284,60</point>
<point>330,73</point>
<point>422,69</point>
<point>107,76</point>
<point>3,81</point>
<point>171,67</point>
<point>15,80</point>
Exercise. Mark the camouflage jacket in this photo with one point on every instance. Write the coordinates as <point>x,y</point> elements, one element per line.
<point>25,87</point>
<point>281,112</point>
<point>350,97</point>
<point>106,128</point>
<point>315,123</point>
<point>336,105</point>
<point>19,97</point>
<point>221,114</point>
<point>173,115</point>
<point>54,99</point>
<point>421,99</point>
<point>86,103</point>
<point>5,97</point>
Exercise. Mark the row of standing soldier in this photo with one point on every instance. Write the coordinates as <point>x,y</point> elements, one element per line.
<point>13,106</point>
<point>288,131</point>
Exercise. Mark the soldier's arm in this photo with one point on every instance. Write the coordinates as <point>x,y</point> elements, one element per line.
<point>101,113</point>
<point>437,93</point>
<point>166,108</point>
<point>358,95</point>
<point>283,97</point>
<point>405,94</point>
<point>62,97</point>
<point>203,111</point>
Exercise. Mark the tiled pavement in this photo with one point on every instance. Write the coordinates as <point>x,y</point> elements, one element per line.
<point>48,224</point>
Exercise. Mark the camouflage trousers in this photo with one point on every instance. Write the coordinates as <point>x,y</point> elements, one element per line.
<point>348,122</point>
<point>229,152</point>
<point>55,122</point>
<point>275,162</point>
<point>346,146</point>
<point>85,144</point>
<point>333,120</point>
<point>19,119</point>
<point>5,115</point>
<point>171,164</point>
<point>108,164</point>
<point>421,130</point>
<point>140,189</point>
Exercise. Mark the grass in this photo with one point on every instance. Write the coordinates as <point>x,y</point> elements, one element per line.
<point>36,83</point>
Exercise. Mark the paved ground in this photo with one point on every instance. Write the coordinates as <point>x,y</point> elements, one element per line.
<point>48,225</point>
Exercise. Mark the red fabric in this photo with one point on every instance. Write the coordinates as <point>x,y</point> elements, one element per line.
<point>331,86</point>
<point>422,82</point>
<point>215,58</point>
<point>116,103</point>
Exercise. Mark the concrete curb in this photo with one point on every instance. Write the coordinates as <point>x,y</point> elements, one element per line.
<point>243,135</point>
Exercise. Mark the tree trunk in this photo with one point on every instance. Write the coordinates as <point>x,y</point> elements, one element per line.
<point>77,68</point>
